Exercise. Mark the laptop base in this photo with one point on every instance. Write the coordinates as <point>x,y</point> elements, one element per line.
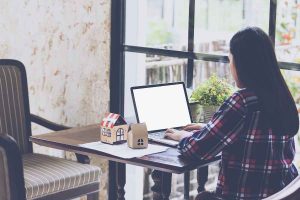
<point>168,142</point>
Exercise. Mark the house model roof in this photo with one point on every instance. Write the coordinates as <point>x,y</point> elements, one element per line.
<point>111,119</point>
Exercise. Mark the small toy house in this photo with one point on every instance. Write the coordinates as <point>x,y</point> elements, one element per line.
<point>113,129</point>
<point>138,136</point>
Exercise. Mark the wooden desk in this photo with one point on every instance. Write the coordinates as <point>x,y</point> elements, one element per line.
<point>164,164</point>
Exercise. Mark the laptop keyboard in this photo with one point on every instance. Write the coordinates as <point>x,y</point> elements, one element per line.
<point>160,138</point>
<point>159,135</point>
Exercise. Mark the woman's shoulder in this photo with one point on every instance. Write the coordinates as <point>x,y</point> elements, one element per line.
<point>245,94</point>
<point>236,102</point>
<point>246,97</point>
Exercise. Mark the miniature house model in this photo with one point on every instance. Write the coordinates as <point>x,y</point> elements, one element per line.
<point>138,136</point>
<point>113,129</point>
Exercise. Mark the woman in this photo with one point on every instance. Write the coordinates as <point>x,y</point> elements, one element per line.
<point>253,129</point>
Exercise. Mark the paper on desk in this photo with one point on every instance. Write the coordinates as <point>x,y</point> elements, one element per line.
<point>123,151</point>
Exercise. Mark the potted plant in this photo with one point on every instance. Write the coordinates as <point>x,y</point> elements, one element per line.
<point>207,97</point>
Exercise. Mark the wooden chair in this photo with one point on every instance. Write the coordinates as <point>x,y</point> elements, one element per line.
<point>24,174</point>
<point>206,196</point>
<point>290,192</point>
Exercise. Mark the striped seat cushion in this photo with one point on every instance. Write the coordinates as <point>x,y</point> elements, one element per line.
<point>45,175</point>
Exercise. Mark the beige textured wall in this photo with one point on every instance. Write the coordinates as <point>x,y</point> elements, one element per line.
<point>65,46</point>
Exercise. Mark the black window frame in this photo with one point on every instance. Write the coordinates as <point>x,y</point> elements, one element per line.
<point>118,49</point>
<point>117,60</point>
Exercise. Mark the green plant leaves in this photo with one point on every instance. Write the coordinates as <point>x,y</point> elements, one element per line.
<point>213,91</point>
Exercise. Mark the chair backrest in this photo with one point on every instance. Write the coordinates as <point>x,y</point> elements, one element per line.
<point>11,170</point>
<point>289,192</point>
<point>14,103</point>
<point>4,180</point>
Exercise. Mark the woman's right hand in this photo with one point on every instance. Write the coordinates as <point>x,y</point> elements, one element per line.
<point>193,127</point>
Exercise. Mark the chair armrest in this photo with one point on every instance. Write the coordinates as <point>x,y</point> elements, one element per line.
<point>11,169</point>
<point>48,124</point>
<point>83,159</point>
<point>57,127</point>
<point>289,192</point>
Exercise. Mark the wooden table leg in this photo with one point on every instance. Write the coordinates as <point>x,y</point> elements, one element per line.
<point>162,185</point>
<point>156,188</point>
<point>186,185</point>
<point>112,188</point>
<point>166,185</point>
<point>121,180</point>
<point>202,177</point>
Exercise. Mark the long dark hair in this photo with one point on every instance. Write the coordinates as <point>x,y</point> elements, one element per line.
<point>257,69</point>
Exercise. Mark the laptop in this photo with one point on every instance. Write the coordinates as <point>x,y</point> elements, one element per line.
<point>161,106</point>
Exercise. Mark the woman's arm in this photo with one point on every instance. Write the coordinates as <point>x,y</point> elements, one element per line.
<point>186,131</point>
<point>223,129</point>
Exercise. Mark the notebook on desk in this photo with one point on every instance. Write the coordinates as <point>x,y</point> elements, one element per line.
<point>161,106</point>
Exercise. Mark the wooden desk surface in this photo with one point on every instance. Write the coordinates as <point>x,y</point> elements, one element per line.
<point>69,140</point>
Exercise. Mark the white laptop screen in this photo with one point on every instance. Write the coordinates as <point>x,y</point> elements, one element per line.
<point>162,107</point>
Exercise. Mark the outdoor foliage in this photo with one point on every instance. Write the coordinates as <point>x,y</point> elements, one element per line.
<point>213,92</point>
<point>158,33</point>
<point>293,83</point>
<point>287,20</point>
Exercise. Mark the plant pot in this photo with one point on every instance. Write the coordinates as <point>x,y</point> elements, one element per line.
<point>196,110</point>
<point>202,113</point>
<point>208,112</point>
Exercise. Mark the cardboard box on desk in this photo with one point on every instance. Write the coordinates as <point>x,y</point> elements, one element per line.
<point>113,129</point>
<point>137,136</point>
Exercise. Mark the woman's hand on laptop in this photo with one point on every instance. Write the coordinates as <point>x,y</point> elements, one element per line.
<point>193,127</point>
<point>177,134</point>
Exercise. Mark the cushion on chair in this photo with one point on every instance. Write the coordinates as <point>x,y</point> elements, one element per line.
<point>12,115</point>
<point>45,175</point>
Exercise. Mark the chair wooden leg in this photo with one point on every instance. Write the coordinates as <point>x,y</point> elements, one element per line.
<point>162,185</point>
<point>93,196</point>
<point>207,196</point>
<point>202,177</point>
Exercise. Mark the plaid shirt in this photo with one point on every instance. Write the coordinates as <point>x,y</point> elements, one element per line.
<point>255,162</point>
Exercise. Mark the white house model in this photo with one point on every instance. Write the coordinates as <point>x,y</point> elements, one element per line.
<point>113,129</point>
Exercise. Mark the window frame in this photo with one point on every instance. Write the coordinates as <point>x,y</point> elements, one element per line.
<point>117,61</point>
<point>118,49</point>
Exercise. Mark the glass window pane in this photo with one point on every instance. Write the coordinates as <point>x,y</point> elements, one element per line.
<point>217,20</point>
<point>288,31</point>
<point>157,23</point>
<point>292,79</point>
<point>142,69</point>
<point>204,69</point>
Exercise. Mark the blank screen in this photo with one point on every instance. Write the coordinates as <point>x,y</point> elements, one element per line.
<point>162,107</point>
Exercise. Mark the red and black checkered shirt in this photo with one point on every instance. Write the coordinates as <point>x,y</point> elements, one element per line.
<point>255,162</point>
